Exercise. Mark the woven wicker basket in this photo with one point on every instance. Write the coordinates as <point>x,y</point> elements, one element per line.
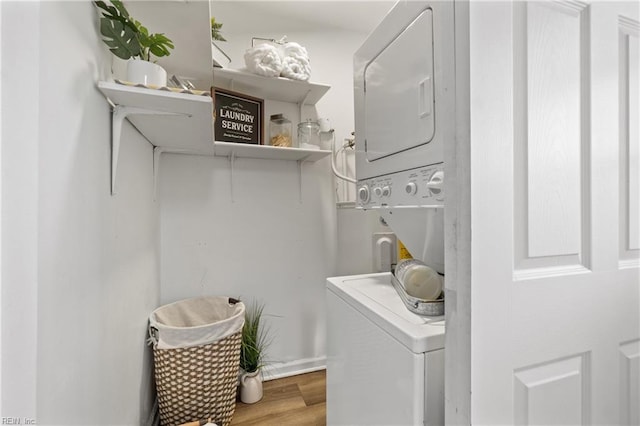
<point>199,382</point>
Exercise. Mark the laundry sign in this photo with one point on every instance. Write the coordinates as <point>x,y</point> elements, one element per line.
<point>237,117</point>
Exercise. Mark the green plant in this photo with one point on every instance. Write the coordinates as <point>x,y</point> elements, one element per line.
<point>255,338</point>
<point>215,30</point>
<point>128,38</point>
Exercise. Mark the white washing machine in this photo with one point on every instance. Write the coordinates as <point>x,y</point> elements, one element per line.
<point>385,365</point>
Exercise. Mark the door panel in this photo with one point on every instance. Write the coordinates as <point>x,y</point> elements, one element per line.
<point>554,143</point>
<point>553,392</point>
<point>629,67</point>
<point>551,145</point>
<point>629,383</point>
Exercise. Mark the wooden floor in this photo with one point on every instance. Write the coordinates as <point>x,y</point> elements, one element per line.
<point>297,400</point>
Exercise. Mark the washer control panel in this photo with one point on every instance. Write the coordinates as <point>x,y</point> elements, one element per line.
<point>423,186</point>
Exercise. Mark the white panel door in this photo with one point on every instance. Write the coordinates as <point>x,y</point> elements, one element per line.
<point>554,213</point>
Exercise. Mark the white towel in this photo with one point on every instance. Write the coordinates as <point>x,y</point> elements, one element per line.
<point>263,60</point>
<point>293,49</point>
<point>295,62</point>
<point>296,68</point>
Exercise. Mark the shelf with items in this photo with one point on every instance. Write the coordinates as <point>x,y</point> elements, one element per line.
<point>170,121</point>
<point>274,88</point>
<point>176,122</point>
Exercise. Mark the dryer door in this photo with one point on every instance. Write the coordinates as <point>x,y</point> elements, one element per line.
<point>399,109</point>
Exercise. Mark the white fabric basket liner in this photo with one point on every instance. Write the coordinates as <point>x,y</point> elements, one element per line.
<point>194,322</point>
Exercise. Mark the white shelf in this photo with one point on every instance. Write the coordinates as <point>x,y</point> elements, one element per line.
<point>172,122</point>
<point>274,88</point>
<point>181,121</point>
<point>238,150</point>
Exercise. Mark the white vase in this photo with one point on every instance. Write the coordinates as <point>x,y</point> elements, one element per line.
<point>145,72</point>
<point>251,387</point>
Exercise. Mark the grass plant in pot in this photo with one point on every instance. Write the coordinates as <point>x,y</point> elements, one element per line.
<point>128,39</point>
<point>255,340</point>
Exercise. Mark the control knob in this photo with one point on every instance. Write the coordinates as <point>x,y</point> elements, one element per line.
<point>411,188</point>
<point>436,183</point>
<point>363,194</point>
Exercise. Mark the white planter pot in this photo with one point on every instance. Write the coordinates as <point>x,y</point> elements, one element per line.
<point>147,73</point>
<point>251,387</point>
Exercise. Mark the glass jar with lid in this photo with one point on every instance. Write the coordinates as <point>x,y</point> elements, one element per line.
<point>280,131</point>
<point>309,135</point>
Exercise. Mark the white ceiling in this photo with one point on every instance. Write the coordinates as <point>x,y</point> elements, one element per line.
<point>264,15</point>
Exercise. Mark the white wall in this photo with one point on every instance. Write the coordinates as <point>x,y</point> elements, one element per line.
<point>20,132</point>
<point>355,240</point>
<point>84,272</point>
<point>267,244</point>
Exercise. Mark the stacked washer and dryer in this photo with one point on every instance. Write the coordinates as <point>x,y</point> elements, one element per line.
<point>385,364</point>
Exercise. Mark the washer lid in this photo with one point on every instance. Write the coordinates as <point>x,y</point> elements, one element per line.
<point>373,295</point>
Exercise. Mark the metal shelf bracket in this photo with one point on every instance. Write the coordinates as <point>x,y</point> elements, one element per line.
<point>232,160</point>
<point>300,162</point>
<point>302,103</point>
<point>157,151</point>
<point>120,113</point>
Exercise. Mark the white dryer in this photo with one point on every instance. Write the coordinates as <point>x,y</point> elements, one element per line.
<point>404,99</point>
<point>385,365</point>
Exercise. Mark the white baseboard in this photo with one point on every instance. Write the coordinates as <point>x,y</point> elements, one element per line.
<point>292,368</point>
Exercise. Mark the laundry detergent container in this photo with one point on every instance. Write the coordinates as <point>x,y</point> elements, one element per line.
<point>196,353</point>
